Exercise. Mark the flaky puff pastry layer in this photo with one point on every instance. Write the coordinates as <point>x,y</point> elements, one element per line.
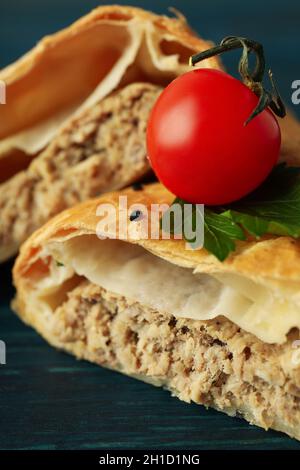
<point>80,65</point>
<point>261,381</point>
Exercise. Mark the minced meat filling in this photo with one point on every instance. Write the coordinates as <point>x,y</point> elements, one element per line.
<point>210,362</point>
<point>102,149</point>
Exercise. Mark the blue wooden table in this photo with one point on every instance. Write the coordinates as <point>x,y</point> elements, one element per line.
<point>48,399</point>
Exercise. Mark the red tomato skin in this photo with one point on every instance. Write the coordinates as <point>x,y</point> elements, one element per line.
<point>197,142</point>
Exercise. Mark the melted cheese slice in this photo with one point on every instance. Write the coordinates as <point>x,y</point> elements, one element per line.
<point>131,271</point>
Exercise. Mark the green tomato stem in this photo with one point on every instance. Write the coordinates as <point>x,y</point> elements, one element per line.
<point>252,78</point>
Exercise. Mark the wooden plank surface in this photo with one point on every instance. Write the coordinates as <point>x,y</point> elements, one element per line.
<point>48,399</point>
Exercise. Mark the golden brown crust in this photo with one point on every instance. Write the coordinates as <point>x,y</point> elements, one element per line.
<point>269,259</point>
<point>178,27</point>
<point>175,26</point>
<point>40,57</point>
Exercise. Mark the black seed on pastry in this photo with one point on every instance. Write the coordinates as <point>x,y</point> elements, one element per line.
<point>135,215</point>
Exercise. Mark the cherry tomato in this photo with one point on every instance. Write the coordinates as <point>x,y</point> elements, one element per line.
<point>198,144</point>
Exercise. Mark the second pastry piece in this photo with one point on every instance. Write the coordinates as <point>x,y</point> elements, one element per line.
<point>77,109</point>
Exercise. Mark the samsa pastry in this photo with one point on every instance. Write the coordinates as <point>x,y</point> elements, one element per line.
<point>77,106</point>
<point>224,335</point>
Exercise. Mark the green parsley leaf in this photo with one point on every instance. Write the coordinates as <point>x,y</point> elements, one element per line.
<point>251,223</point>
<point>273,208</point>
<point>220,232</point>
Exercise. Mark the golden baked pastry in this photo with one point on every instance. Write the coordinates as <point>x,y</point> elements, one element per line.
<point>77,106</point>
<point>222,334</point>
